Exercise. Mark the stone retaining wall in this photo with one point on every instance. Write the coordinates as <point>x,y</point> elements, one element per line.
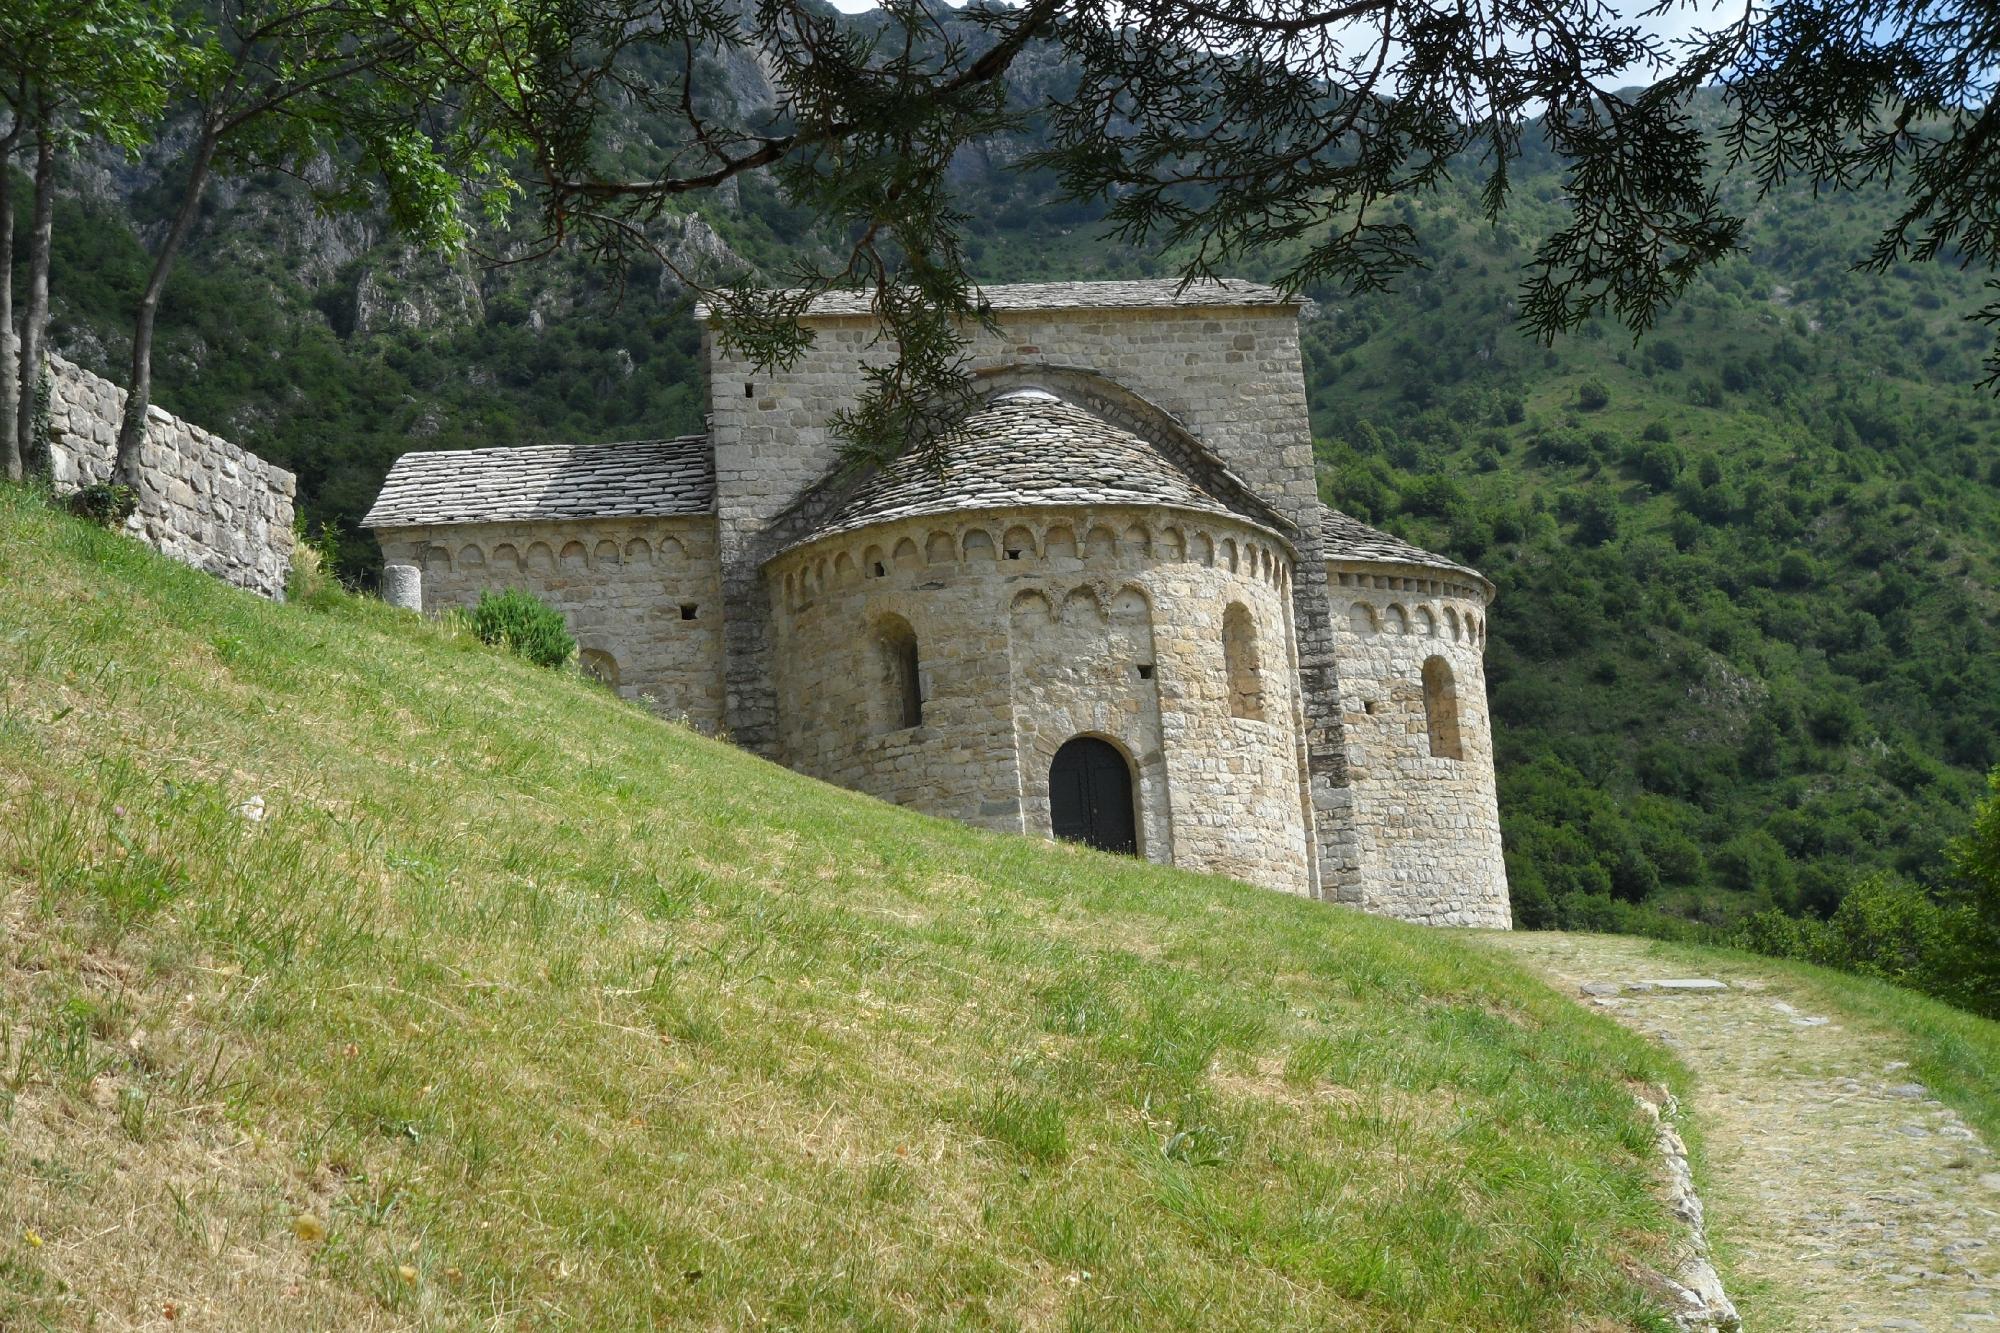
<point>202,500</point>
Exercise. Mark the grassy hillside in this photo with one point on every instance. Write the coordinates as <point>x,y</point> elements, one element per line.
<point>554,1015</point>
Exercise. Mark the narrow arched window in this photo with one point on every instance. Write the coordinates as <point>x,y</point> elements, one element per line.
<point>1240,663</point>
<point>599,666</point>
<point>1441,710</point>
<point>902,681</point>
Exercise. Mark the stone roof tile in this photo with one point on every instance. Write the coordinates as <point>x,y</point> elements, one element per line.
<point>1140,294</point>
<point>1027,450</point>
<point>636,479</point>
<point>1350,539</point>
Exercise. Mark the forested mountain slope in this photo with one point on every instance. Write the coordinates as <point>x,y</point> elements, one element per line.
<point>1748,639</point>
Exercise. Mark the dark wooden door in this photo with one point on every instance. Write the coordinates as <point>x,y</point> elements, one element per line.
<point>1090,796</point>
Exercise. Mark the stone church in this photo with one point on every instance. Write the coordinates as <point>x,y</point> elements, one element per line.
<point>1119,615</point>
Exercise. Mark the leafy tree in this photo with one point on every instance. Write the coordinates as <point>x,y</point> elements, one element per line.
<point>73,71</point>
<point>339,84</point>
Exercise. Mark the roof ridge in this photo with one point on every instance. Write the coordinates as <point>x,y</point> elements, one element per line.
<point>1103,294</point>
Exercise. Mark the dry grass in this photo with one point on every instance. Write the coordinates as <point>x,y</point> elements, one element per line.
<point>560,1016</point>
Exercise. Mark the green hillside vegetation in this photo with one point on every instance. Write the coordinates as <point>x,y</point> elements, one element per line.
<point>1747,648</point>
<point>354,974</point>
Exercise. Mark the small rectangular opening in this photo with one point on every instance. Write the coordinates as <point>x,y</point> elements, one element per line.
<point>1146,671</point>
<point>1013,554</point>
<point>879,571</point>
<point>749,391</point>
<point>687,610</point>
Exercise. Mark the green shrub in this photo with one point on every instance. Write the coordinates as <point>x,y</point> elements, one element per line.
<point>523,623</point>
<point>104,503</point>
<point>311,580</point>
<point>1973,973</point>
<point>1592,396</point>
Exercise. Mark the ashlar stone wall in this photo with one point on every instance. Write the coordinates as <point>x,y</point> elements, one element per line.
<point>202,500</point>
<point>1420,743</point>
<point>1230,375</point>
<point>1034,626</point>
<point>642,596</point>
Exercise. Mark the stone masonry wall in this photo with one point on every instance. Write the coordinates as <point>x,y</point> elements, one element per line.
<point>643,596</point>
<point>1427,828</point>
<point>202,500</point>
<point>1232,376</point>
<point>1018,655</point>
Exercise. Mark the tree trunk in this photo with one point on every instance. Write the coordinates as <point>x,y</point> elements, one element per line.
<point>139,395</point>
<point>35,320</point>
<point>9,383</point>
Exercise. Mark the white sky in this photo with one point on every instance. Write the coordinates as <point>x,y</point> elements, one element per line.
<point>1683,18</point>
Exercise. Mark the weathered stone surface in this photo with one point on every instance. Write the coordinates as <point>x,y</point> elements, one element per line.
<point>202,500</point>
<point>1133,294</point>
<point>403,586</point>
<point>1820,1198</point>
<point>1036,625</point>
<point>637,479</point>
<point>641,595</point>
<point>1410,641</point>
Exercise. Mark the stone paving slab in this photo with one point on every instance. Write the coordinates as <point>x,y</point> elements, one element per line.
<point>1842,1196</point>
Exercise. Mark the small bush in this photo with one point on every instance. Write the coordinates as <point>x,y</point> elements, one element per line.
<point>523,623</point>
<point>1592,396</point>
<point>104,503</point>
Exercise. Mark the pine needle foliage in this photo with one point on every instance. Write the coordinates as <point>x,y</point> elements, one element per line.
<point>1227,130</point>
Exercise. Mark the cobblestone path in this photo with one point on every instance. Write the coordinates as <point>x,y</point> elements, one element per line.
<point>1840,1195</point>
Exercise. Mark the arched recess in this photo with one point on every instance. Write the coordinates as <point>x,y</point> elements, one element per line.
<point>1242,664</point>
<point>901,691</point>
<point>1441,710</point>
<point>1091,796</point>
<point>598,665</point>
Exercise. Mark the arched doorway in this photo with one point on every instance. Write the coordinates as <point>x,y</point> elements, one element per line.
<point>1090,796</point>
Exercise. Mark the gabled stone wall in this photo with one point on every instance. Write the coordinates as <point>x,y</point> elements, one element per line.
<point>202,500</point>
<point>642,596</point>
